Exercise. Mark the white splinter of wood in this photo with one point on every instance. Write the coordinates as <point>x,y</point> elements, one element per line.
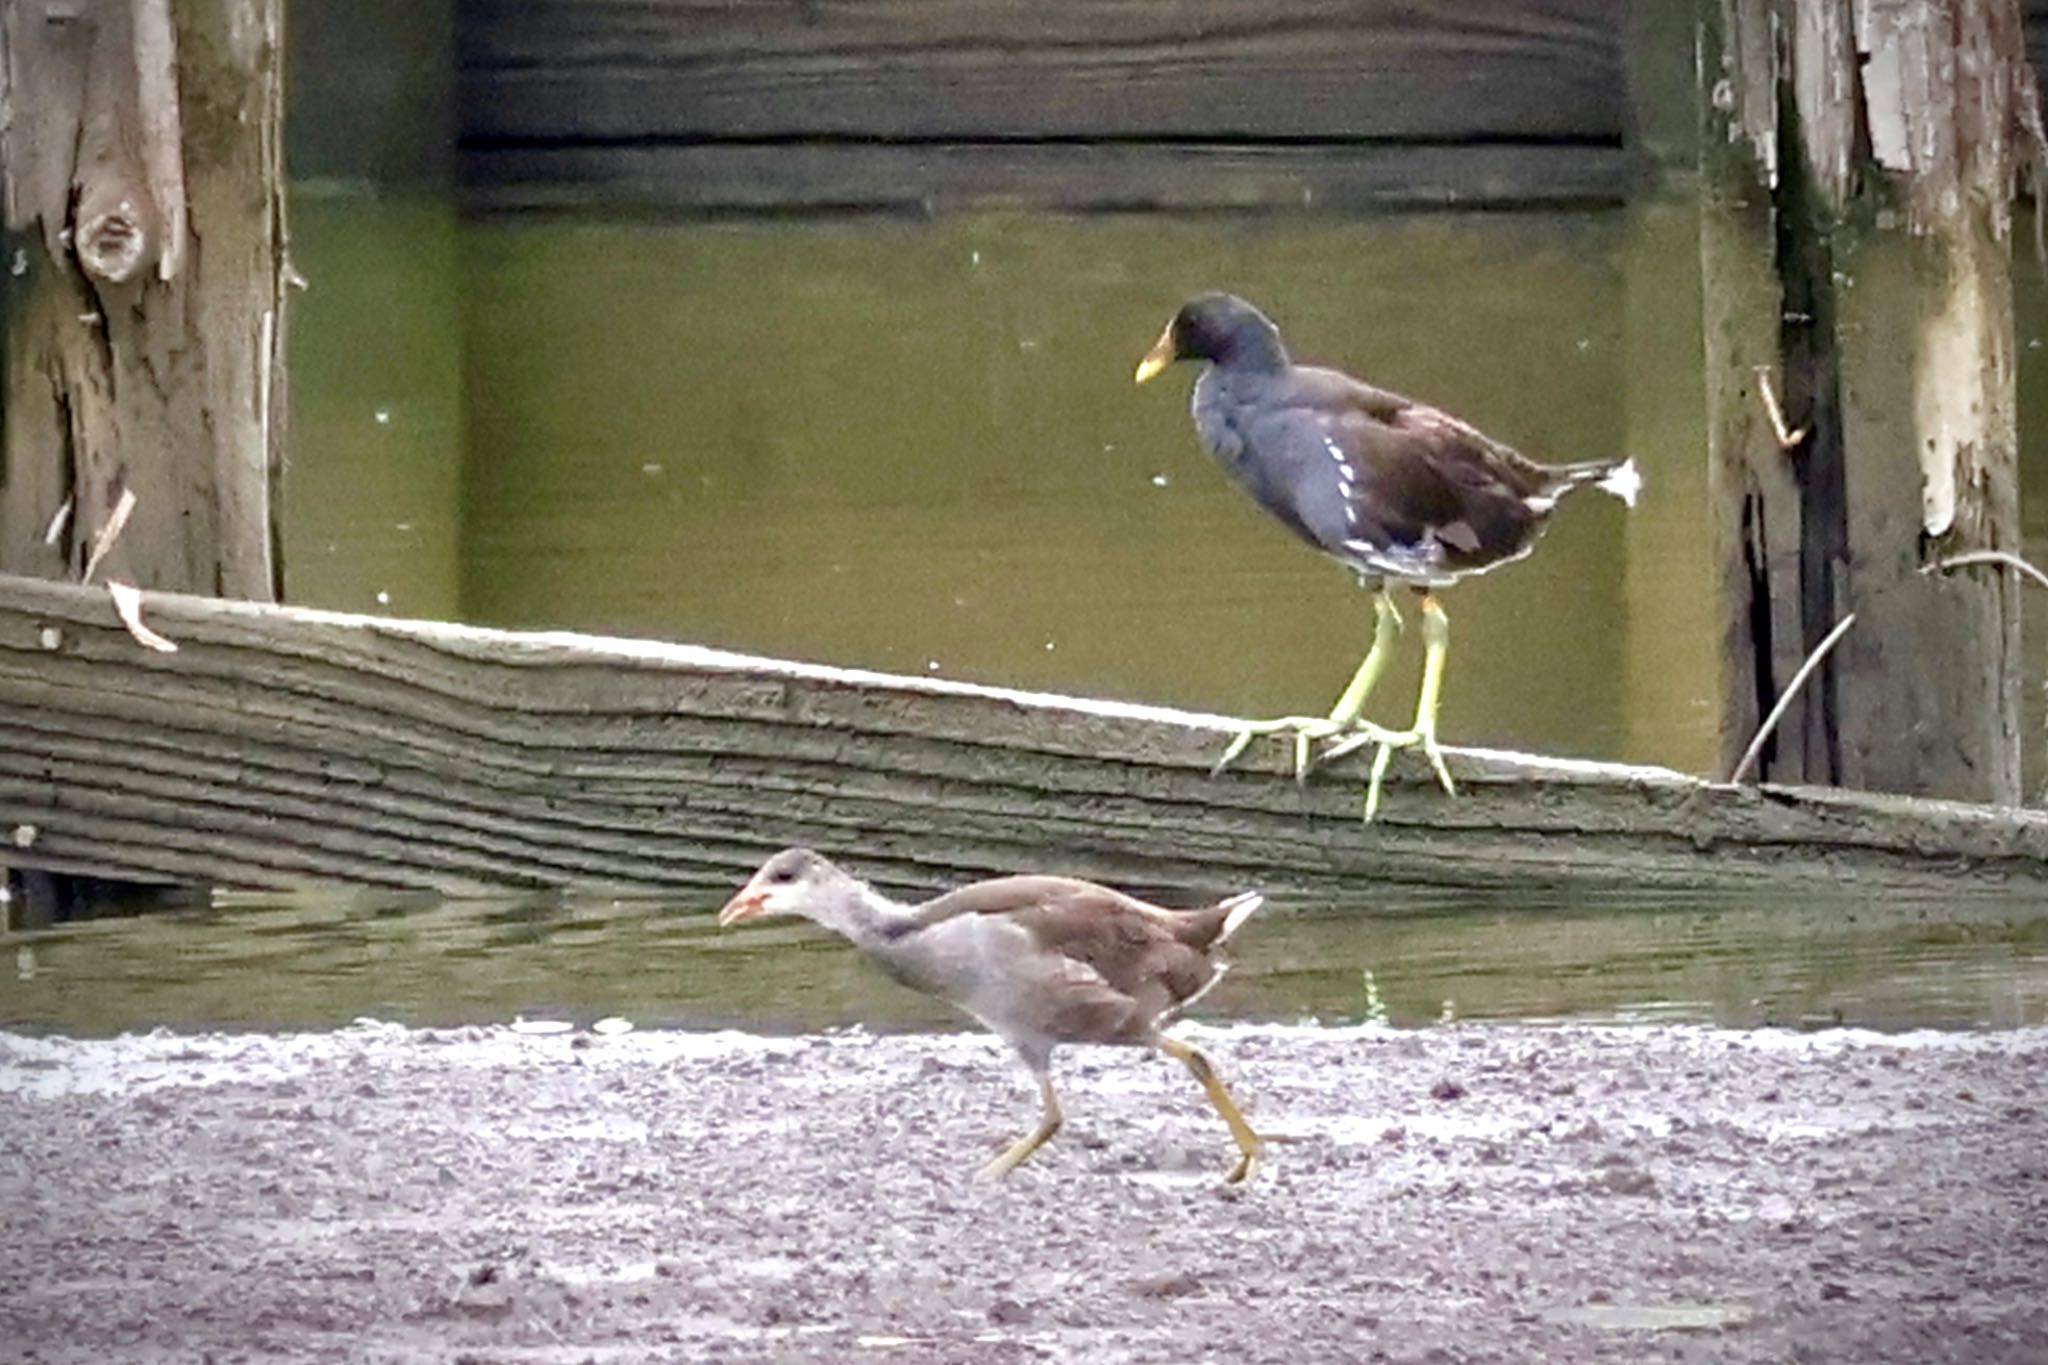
<point>128,606</point>
<point>59,519</point>
<point>1948,391</point>
<point>163,136</point>
<point>117,521</point>
<point>1883,95</point>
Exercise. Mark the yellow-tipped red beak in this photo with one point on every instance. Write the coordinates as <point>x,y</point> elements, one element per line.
<point>1158,358</point>
<point>745,905</point>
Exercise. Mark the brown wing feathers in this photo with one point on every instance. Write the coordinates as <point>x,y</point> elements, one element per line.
<point>1157,958</point>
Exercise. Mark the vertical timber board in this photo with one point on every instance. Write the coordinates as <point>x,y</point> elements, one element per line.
<point>1949,97</point>
<point>1751,480</point>
<point>144,211</point>
<point>1927,359</point>
<point>1886,160</point>
<point>1816,146</point>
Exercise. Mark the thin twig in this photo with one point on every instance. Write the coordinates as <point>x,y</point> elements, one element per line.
<point>59,519</point>
<point>2004,557</point>
<point>117,521</point>
<point>1763,732</point>
<point>1787,438</point>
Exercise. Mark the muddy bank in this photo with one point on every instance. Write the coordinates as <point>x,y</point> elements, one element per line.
<point>1461,1194</point>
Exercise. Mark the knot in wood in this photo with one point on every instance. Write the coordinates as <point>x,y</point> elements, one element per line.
<point>115,245</point>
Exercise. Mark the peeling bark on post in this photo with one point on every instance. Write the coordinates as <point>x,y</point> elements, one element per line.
<point>1858,161</point>
<point>145,247</point>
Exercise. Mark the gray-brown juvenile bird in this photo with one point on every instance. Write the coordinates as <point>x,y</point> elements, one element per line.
<point>1039,960</point>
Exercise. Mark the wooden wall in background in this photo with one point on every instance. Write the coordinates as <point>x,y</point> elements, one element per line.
<point>1089,104</point>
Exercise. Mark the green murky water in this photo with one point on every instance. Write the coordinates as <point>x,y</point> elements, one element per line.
<point>917,447</point>
<point>1737,961</point>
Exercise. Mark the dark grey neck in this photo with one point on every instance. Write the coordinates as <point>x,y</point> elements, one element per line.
<point>1253,348</point>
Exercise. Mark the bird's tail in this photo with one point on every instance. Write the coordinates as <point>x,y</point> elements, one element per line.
<point>1237,909</point>
<point>1620,478</point>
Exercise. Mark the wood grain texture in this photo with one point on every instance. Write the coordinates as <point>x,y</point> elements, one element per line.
<point>716,178</point>
<point>138,363</point>
<point>972,69</point>
<point>1866,281</point>
<point>281,747</point>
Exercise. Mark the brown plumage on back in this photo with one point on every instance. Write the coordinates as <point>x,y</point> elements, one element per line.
<point>1039,960</point>
<point>1151,960</point>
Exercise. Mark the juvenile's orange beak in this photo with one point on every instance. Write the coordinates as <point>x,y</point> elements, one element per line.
<point>745,905</point>
<point>1158,358</point>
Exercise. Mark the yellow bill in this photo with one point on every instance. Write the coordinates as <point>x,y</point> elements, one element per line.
<point>1158,358</point>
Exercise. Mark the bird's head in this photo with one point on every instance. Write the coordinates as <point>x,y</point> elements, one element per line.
<point>793,882</point>
<point>1218,328</point>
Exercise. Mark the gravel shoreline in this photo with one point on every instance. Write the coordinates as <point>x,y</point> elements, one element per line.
<point>1468,1193</point>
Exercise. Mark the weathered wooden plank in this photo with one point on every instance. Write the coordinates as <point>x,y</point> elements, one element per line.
<point>612,70</point>
<point>1073,177</point>
<point>282,747</point>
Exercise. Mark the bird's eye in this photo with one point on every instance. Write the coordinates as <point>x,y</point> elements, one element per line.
<point>782,874</point>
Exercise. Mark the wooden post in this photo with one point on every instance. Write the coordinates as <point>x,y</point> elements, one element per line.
<point>142,198</point>
<point>143,243</point>
<point>1857,164</point>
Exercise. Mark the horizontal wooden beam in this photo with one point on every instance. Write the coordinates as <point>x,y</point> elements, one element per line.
<point>609,70</point>
<point>876,177</point>
<point>281,747</point>
<point>1075,105</point>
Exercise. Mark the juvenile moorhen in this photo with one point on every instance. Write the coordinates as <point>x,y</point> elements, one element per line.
<point>1395,490</point>
<point>1039,960</point>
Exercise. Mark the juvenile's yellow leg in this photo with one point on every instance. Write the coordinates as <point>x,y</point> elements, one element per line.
<point>1024,1146</point>
<point>1304,731</point>
<point>1249,1143</point>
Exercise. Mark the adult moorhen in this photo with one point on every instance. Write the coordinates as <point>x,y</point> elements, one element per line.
<point>1039,960</point>
<point>1395,490</point>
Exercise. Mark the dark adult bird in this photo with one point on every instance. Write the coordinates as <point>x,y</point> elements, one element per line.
<point>1038,960</point>
<point>1395,490</point>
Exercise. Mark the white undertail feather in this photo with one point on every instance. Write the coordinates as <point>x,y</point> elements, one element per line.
<point>1624,481</point>
<point>1242,907</point>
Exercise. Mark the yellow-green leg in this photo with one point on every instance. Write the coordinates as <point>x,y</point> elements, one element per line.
<point>1436,648</point>
<point>1049,1124</point>
<point>1304,731</point>
<point>1249,1143</point>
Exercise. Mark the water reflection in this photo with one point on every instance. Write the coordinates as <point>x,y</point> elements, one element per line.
<point>318,962</point>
